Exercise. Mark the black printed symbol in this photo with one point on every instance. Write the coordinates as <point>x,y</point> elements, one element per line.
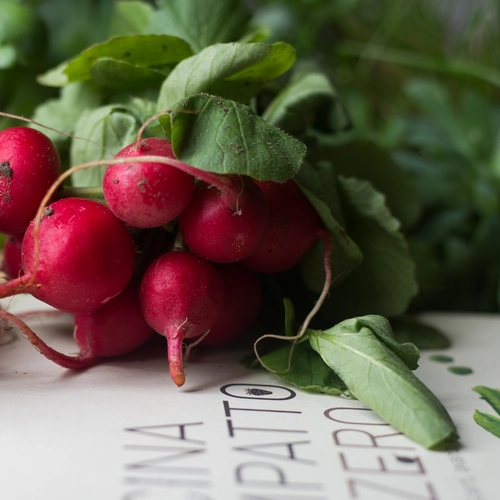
<point>406,460</point>
<point>257,392</point>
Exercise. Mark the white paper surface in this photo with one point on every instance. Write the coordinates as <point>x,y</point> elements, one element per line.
<point>122,430</point>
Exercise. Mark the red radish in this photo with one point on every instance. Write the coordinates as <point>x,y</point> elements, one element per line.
<point>292,229</point>
<point>83,256</point>
<point>116,328</point>
<point>225,224</point>
<point>181,296</point>
<point>29,165</point>
<point>242,305</point>
<point>12,261</point>
<point>146,194</point>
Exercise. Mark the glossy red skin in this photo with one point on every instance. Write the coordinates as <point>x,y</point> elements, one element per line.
<point>292,229</point>
<point>221,227</point>
<point>181,290</point>
<point>242,305</point>
<point>12,261</point>
<point>147,195</point>
<point>29,165</point>
<point>116,328</point>
<point>86,255</point>
<point>181,296</point>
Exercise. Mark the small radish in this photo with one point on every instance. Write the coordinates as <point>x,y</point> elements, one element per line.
<point>292,229</point>
<point>181,295</point>
<point>294,226</point>
<point>80,257</point>
<point>29,164</point>
<point>12,260</point>
<point>242,305</point>
<point>146,194</point>
<point>226,223</point>
<point>116,328</point>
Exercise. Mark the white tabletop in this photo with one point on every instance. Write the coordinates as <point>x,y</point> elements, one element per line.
<point>123,430</point>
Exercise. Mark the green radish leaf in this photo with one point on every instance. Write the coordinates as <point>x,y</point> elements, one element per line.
<point>63,113</point>
<point>308,97</point>
<point>488,422</point>
<point>491,396</point>
<point>130,17</point>
<point>108,130</point>
<point>307,370</point>
<point>317,182</point>
<point>225,137</point>
<point>115,74</point>
<point>150,51</point>
<point>378,377</point>
<point>384,283</point>
<point>381,327</point>
<point>233,70</point>
<point>367,161</point>
<point>201,23</point>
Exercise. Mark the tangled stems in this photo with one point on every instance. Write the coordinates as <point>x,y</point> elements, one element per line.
<point>325,236</point>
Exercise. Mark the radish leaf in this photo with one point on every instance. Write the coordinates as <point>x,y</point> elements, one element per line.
<point>148,51</point>
<point>307,370</point>
<point>385,281</point>
<point>110,128</point>
<point>223,136</point>
<point>233,70</point>
<point>378,377</point>
<point>309,97</point>
<point>201,23</point>
<point>488,422</point>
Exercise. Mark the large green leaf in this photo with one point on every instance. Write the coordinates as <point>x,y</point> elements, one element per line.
<point>233,70</point>
<point>226,137</point>
<point>378,377</point>
<point>318,183</point>
<point>384,282</point>
<point>368,161</point>
<point>382,329</point>
<point>115,74</point>
<point>148,51</point>
<point>201,23</point>
<point>131,17</point>
<point>63,113</point>
<point>108,130</point>
<point>308,99</point>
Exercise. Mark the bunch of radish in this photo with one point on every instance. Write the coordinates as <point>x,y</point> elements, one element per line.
<point>89,258</point>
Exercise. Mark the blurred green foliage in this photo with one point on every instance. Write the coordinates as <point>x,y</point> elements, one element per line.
<point>37,34</point>
<point>420,81</point>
